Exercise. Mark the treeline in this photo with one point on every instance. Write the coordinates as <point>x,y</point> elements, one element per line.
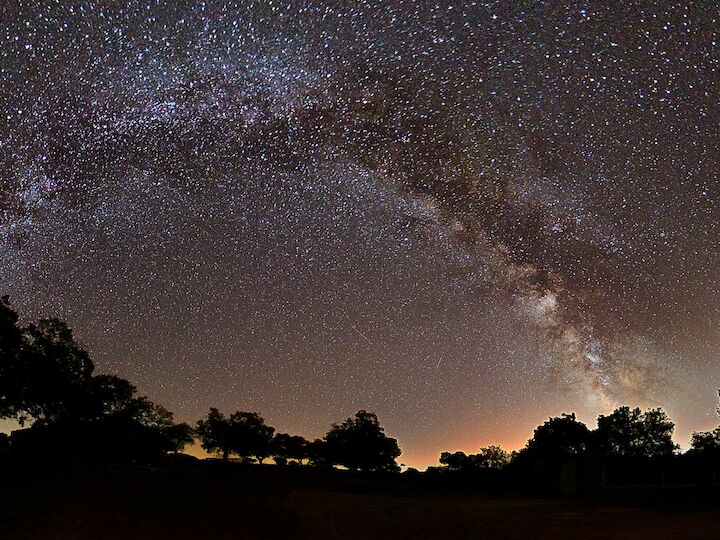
<point>47,379</point>
<point>358,443</point>
<point>629,449</point>
<point>625,432</point>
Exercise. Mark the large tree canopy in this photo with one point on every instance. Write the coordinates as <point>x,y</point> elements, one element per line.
<point>46,377</point>
<point>286,447</point>
<point>214,433</point>
<point>561,437</point>
<point>706,442</point>
<point>360,443</point>
<point>631,432</point>
<point>250,436</point>
<point>243,433</point>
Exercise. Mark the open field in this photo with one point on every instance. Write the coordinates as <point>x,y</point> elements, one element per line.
<point>100,501</point>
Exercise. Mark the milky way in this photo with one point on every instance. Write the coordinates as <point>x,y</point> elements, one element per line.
<point>463,216</point>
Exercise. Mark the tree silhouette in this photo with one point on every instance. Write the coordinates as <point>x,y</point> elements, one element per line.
<point>215,433</point>
<point>631,432</point>
<point>706,442</point>
<point>45,376</point>
<point>488,457</point>
<point>491,457</point>
<point>287,447</point>
<point>171,437</point>
<point>360,444</point>
<point>316,451</point>
<point>250,436</point>
<point>243,433</point>
<point>559,438</point>
<point>455,461</point>
<point>59,368</point>
<point>109,395</point>
<point>12,375</point>
<point>177,436</point>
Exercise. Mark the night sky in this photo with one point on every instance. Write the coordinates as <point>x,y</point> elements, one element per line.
<point>465,217</point>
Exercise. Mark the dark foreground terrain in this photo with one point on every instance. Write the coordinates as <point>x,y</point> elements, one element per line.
<point>213,500</point>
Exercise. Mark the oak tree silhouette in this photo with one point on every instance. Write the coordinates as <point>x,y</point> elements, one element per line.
<point>360,444</point>
<point>215,433</point>
<point>455,461</point>
<point>250,436</point>
<point>491,457</point>
<point>706,442</point>
<point>285,447</point>
<point>316,451</point>
<point>243,433</point>
<point>557,438</point>
<point>46,377</point>
<point>633,433</point>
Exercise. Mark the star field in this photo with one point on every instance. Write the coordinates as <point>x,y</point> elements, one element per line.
<point>464,216</point>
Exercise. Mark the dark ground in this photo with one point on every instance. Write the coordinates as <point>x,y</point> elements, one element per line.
<point>97,501</point>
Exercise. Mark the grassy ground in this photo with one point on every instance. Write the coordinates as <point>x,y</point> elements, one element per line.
<point>97,501</point>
